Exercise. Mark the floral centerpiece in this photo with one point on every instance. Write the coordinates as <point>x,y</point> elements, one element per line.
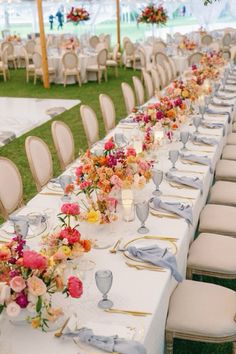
<point>100,176</point>
<point>77,15</point>
<point>188,90</point>
<point>67,243</point>
<point>187,44</point>
<point>213,59</point>
<point>13,38</point>
<point>154,15</point>
<point>28,279</point>
<point>205,72</point>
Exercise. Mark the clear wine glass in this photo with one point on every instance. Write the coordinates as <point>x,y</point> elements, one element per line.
<point>207,101</point>
<point>184,136</point>
<point>202,111</point>
<point>142,211</point>
<point>173,156</point>
<point>21,225</point>
<point>64,180</point>
<point>196,123</point>
<point>104,279</point>
<point>157,177</point>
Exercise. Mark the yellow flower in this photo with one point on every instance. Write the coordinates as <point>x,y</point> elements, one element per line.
<point>35,323</point>
<point>65,250</point>
<point>93,216</point>
<point>185,93</point>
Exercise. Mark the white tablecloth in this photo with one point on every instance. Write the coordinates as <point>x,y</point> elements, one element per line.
<point>132,289</point>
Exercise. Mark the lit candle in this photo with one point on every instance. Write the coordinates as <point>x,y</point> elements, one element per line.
<point>127,195</point>
<point>128,210</point>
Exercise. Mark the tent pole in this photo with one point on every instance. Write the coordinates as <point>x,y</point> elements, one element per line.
<point>46,82</point>
<point>118,21</point>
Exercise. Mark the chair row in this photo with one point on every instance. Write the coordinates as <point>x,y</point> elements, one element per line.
<point>201,311</point>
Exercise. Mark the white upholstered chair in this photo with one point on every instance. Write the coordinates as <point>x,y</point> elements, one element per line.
<point>30,48</point>
<point>206,40</point>
<point>131,55</point>
<point>70,62</point>
<point>40,161</point>
<point>37,60</point>
<point>113,62</point>
<point>129,97</point>
<point>29,68</point>
<point>162,75</point>
<point>226,40</point>
<point>173,68</point>
<point>63,142</point>
<point>11,187</point>
<point>156,79</point>
<point>201,312</point>
<point>108,112</point>
<point>4,71</point>
<point>195,58</point>
<point>139,90</point>
<point>11,58</point>
<point>101,66</point>
<point>93,41</point>
<point>148,85</point>
<point>90,124</point>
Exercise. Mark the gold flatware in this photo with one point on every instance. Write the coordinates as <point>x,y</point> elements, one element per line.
<point>116,245</point>
<point>210,134</point>
<point>144,267</point>
<point>51,193</point>
<point>191,171</point>
<point>59,333</point>
<point>128,312</point>
<point>166,238</point>
<point>178,196</point>
<point>188,162</point>
<point>180,186</point>
<point>201,150</point>
<point>162,215</point>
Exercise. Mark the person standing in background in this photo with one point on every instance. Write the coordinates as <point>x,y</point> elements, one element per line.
<point>51,18</point>
<point>184,11</point>
<point>60,19</point>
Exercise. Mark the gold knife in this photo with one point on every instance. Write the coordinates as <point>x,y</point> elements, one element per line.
<point>59,333</point>
<point>128,312</point>
<point>116,245</point>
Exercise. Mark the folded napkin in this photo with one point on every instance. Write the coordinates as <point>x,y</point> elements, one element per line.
<point>128,120</point>
<point>109,344</point>
<point>214,125</point>
<point>194,182</point>
<point>157,256</point>
<point>203,160</point>
<point>223,104</point>
<point>185,211</point>
<point>204,140</point>
<point>211,111</point>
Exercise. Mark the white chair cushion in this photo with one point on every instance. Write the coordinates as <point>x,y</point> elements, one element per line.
<point>71,71</point>
<point>218,219</point>
<point>95,67</point>
<point>111,63</point>
<point>202,309</point>
<point>213,252</point>
<point>226,170</point>
<point>231,140</point>
<point>229,152</point>
<point>223,192</point>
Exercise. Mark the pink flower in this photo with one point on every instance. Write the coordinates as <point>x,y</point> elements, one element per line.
<point>85,185</point>
<point>116,181</point>
<point>130,152</point>
<point>22,301</point>
<point>75,287</point>
<point>111,203</point>
<point>17,284</point>
<point>79,171</point>
<point>70,209</point>
<point>13,309</point>
<point>109,145</point>
<point>36,286</point>
<point>34,260</point>
<point>159,115</point>
<point>72,235</point>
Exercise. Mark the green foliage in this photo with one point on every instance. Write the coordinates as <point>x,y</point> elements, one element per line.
<point>206,2</point>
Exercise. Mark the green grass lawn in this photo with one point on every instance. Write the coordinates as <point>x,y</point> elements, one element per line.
<point>88,94</point>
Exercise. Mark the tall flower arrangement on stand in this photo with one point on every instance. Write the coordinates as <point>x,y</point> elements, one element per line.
<point>77,15</point>
<point>154,15</point>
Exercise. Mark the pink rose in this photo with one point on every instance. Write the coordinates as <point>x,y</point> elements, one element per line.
<point>75,287</point>
<point>71,234</point>
<point>13,309</point>
<point>17,284</point>
<point>36,286</point>
<point>109,145</point>
<point>34,260</point>
<point>70,209</point>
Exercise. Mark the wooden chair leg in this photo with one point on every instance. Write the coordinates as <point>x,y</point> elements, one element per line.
<point>169,342</point>
<point>64,80</point>
<point>79,80</point>
<point>4,76</point>
<point>105,75</point>
<point>116,70</point>
<point>234,347</point>
<point>189,273</point>
<point>27,76</point>
<point>35,79</point>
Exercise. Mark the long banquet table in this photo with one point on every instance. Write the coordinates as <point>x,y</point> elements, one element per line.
<point>132,289</point>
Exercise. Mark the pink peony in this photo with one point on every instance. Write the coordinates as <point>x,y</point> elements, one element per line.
<point>159,115</point>
<point>70,209</point>
<point>34,260</point>
<point>75,287</point>
<point>36,286</point>
<point>72,235</point>
<point>109,145</point>
<point>17,284</point>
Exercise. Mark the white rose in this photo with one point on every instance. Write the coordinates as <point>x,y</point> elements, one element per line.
<point>5,293</point>
<point>31,307</point>
<point>32,298</point>
<point>13,309</point>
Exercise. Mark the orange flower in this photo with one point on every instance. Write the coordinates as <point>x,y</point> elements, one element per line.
<point>170,113</point>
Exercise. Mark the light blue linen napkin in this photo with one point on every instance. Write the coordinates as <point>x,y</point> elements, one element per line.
<point>109,344</point>
<point>128,120</point>
<point>214,125</point>
<point>157,256</point>
<point>184,211</point>
<point>203,139</point>
<point>203,159</point>
<point>194,182</point>
<point>211,111</point>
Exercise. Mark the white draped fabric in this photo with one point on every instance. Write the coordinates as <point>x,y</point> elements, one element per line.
<point>207,15</point>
